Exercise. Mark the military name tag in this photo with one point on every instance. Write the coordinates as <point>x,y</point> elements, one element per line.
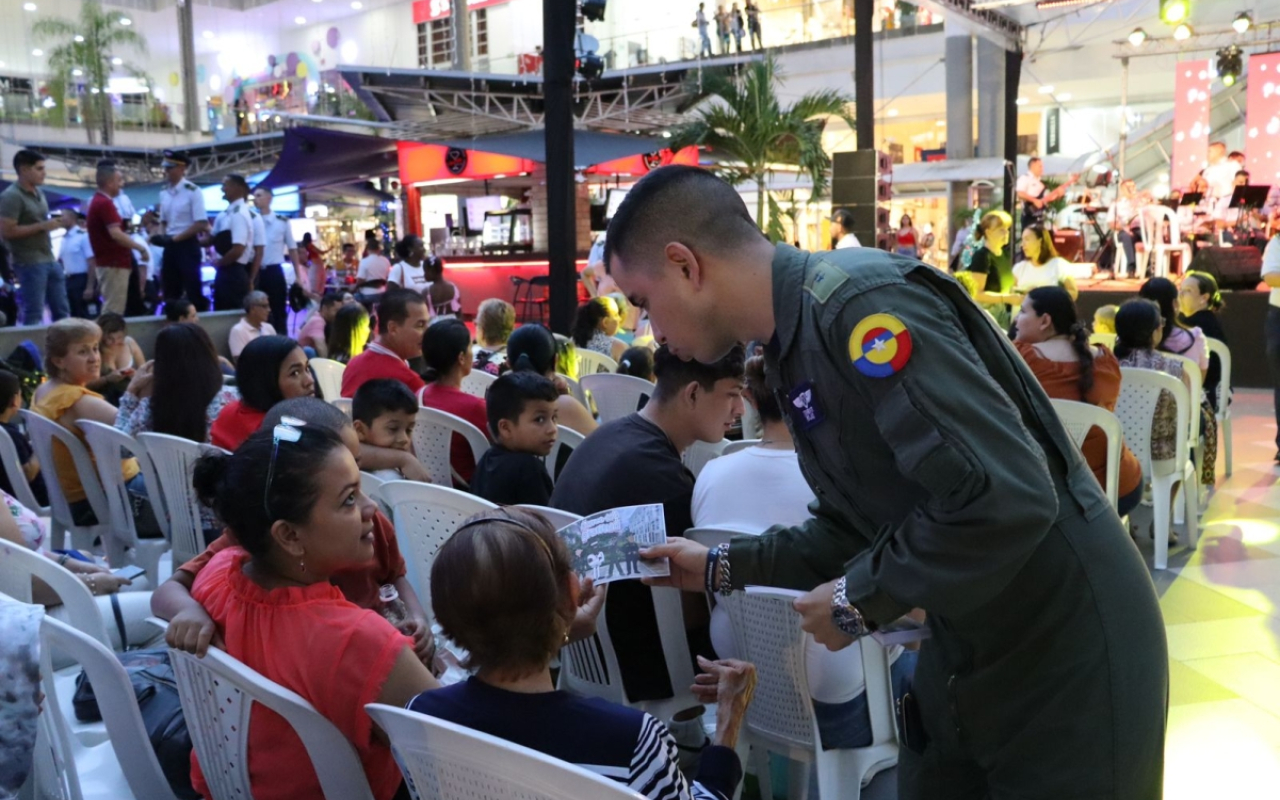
<point>803,404</point>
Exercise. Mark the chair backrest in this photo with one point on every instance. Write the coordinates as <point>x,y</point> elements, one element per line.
<point>17,478</point>
<point>565,437</point>
<point>477,383</point>
<point>343,404</point>
<point>174,459</point>
<point>1107,339</point>
<point>120,713</point>
<point>433,440</point>
<point>555,516</point>
<point>575,388</point>
<point>1196,395</point>
<point>733,447</point>
<point>328,377</point>
<point>1153,217</point>
<point>109,446</point>
<point>616,396</point>
<point>1218,348</point>
<point>591,363</point>
<point>218,693</point>
<point>1079,419</point>
<point>699,453</point>
<point>43,433</point>
<point>425,515</point>
<point>1139,392</point>
<point>443,761</point>
<point>18,566</point>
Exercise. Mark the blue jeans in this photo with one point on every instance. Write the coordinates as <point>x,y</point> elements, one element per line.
<point>41,283</point>
<point>843,726</point>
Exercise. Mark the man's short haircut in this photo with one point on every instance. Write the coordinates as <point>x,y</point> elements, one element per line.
<point>11,387</point>
<point>27,158</point>
<point>1223,145</point>
<point>345,245</point>
<point>175,310</point>
<point>1034,160</point>
<point>1235,154</point>
<point>373,244</point>
<point>507,396</point>
<point>380,396</point>
<point>253,297</point>
<point>844,217</point>
<point>311,410</point>
<point>678,204</point>
<point>238,180</point>
<point>394,307</point>
<point>267,189</point>
<point>1240,172</point>
<point>674,373</point>
<point>105,170</point>
<point>331,299</point>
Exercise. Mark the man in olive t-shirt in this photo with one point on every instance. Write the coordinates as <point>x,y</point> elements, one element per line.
<point>25,227</point>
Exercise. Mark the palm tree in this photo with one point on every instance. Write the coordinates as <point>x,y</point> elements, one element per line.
<point>751,131</point>
<point>83,59</point>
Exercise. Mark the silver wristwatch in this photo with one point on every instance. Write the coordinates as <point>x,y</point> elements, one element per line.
<point>846,616</point>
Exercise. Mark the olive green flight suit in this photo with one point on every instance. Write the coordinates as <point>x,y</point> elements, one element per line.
<point>950,485</point>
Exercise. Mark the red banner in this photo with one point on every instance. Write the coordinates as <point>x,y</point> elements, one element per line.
<point>1192,85</point>
<point>1262,127</point>
<point>432,10</point>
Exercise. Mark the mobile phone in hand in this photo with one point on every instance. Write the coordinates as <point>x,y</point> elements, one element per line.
<point>129,572</point>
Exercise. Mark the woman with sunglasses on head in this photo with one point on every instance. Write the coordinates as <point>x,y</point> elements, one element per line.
<point>270,369</point>
<point>291,496</point>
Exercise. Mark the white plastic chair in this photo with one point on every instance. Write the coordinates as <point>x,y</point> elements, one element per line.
<point>328,377</point>
<point>18,566</point>
<point>425,516</point>
<point>1139,392</point>
<point>699,453</point>
<point>17,478</point>
<point>616,396</point>
<point>565,437</point>
<point>43,432</point>
<point>1106,339</point>
<point>122,766</point>
<point>590,363</point>
<point>555,516</point>
<point>1223,410</point>
<point>477,383</point>
<point>444,761</point>
<point>371,485</point>
<point>123,545</point>
<point>1154,217</point>
<point>343,404</point>
<point>575,389</point>
<point>218,693</point>
<point>174,458</point>
<point>433,440</point>
<point>1079,419</point>
<point>780,718</point>
<point>733,447</point>
<point>1196,394</point>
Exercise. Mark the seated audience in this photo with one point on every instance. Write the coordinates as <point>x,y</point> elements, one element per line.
<point>1104,319</point>
<point>533,347</point>
<point>408,273</point>
<point>385,413</point>
<point>750,491</point>
<point>274,607</point>
<point>402,321</point>
<point>191,628</point>
<point>1139,329</point>
<point>521,408</point>
<point>271,369</point>
<point>1043,266</point>
<point>637,362</point>
<point>312,333</point>
<point>1056,348</point>
<point>444,296</point>
<point>121,357</point>
<point>1199,303</point>
<point>180,392</point>
<point>495,320</point>
<point>636,460</point>
<point>72,360</point>
<point>348,334</point>
<point>516,553</point>
<point>595,326</point>
<point>446,348</point>
<point>11,403</point>
<point>257,310</point>
<point>180,310</point>
<point>371,275</point>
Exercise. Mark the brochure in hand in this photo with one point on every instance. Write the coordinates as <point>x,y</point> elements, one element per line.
<point>606,546</point>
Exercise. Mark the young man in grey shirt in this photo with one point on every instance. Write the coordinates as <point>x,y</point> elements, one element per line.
<point>25,226</point>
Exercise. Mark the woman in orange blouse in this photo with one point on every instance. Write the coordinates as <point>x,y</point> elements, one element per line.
<point>1056,348</point>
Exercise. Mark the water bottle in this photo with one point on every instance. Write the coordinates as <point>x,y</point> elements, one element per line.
<point>393,608</point>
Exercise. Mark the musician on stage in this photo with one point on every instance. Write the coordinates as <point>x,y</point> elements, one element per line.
<point>1125,218</point>
<point>1034,195</point>
<point>1238,228</point>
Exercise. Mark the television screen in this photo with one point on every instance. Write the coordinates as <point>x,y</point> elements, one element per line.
<point>476,208</point>
<point>615,199</point>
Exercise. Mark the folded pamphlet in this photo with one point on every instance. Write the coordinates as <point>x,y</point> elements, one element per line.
<point>606,546</point>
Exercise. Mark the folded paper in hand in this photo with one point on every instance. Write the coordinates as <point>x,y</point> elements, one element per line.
<point>606,546</point>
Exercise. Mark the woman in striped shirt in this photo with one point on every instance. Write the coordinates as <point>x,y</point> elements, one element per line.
<point>510,553</point>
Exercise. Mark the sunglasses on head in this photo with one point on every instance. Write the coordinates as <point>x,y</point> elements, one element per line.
<point>288,430</point>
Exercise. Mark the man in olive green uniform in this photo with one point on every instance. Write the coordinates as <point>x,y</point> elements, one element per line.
<point>944,482</point>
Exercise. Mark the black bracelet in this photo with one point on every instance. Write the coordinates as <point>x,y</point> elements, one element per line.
<point>713,557</point>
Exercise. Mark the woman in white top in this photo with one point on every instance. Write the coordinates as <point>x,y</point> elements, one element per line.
<point>408,273</point>
<point>1043,266</point>
<point>751,491</point>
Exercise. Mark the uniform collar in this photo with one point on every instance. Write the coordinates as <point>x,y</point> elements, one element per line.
<point>237,206</point>
<point>788,284</point>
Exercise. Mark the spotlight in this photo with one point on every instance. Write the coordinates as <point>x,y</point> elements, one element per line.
<point>1229,65</point>
<point>125,21</point>
<point>1242,22</point>
<point>589,65</point>
<point>1174,11</point>
<point>1182,32</point>
<point>593,9</point>
<point>1137,37</point>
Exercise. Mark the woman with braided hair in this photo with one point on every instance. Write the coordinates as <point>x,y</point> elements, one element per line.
<point>1055,345</point>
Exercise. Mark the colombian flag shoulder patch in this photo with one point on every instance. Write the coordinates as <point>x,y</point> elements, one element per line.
<point>880,346</point>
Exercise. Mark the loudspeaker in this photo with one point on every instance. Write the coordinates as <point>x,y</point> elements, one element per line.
<point>1232,267</point>
<point>1069,244</point>
<point>860,182</point>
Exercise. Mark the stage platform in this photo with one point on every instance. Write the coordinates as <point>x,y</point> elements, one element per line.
<point>1243,318</point>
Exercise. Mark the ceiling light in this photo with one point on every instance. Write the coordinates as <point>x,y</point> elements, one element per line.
<point>942,123</point>
<point>207,34</point>
<point>357,5</point>
<point>1242,22</point>
<point>1046,90</point>
<point>28,6</point>
<point>1062,97</point>
<point>1137,37</point>
<point>1060,3</point>
<point>117,61</point>
<point>1022,101</point>
<point>300,20</point>
<point>1182,32</point>
<point>1229,65</point>
<point>893,112</point>
<point>77,72</point>
<point>1174,11</point>
<point>125,21</point>
<point>78,39</point>
<point>37,52</point>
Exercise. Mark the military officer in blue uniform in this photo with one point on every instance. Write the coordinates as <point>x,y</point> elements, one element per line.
<point>944,481</point>
<point>181,221</point>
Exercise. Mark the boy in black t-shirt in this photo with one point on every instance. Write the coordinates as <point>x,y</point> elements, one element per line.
<point>522,419</point>
<point>11,403</point>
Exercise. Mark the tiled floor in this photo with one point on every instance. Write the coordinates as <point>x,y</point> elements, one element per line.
<point>1221,606</point>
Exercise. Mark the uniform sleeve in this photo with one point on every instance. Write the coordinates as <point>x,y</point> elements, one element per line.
<point>289,243</point>
<point>259,232</point>
<point>198,213</point>
<point>241,229</point>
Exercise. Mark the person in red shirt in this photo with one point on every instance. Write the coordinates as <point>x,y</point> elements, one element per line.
<point>110,244</point>
<point>270,369</point>
<point>402,320</point>
<point>446,347</point>
<point>295,507</point>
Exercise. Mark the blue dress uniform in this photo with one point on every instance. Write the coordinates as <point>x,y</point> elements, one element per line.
<point>944,481</point>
